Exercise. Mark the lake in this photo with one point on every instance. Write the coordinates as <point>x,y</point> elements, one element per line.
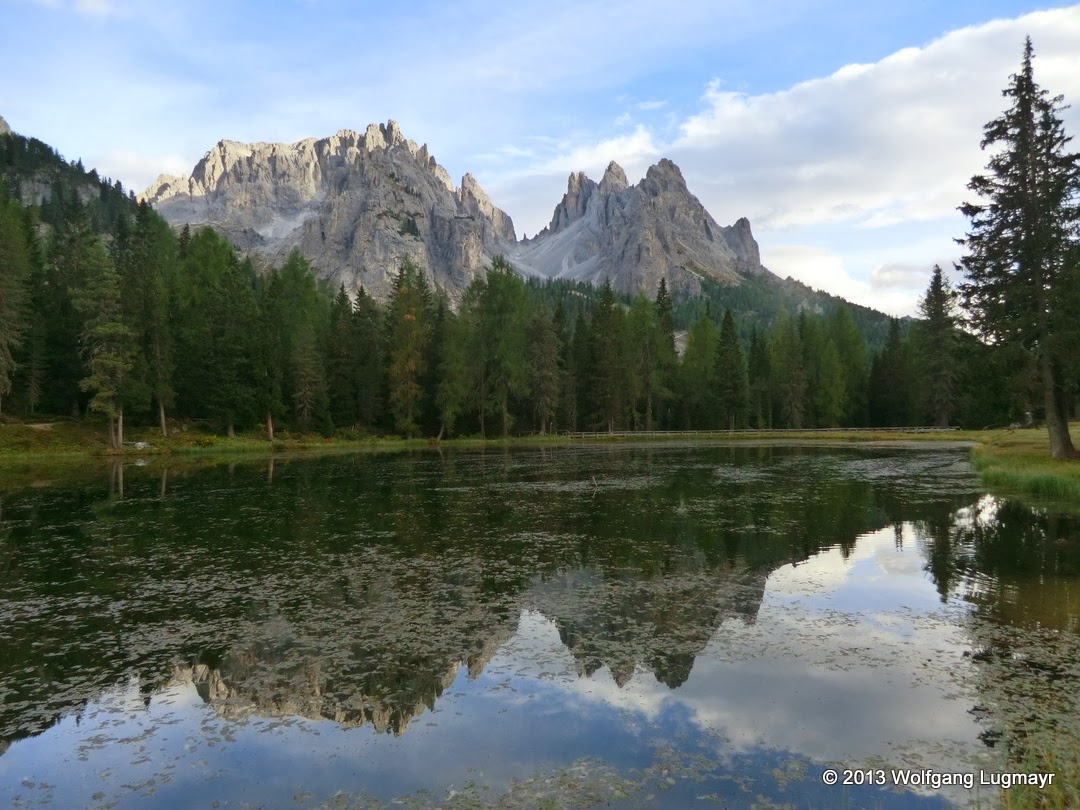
<point>658,625</point>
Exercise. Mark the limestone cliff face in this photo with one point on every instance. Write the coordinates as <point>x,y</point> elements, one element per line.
<point>4,128</point>
<point>636,235</point>
<point>355,204</point>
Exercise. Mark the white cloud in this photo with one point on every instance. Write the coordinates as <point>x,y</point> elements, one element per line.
<point>140,170</point>
<point>873,147</point>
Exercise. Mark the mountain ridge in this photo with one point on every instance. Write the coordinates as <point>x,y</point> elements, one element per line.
<point>357,205</point>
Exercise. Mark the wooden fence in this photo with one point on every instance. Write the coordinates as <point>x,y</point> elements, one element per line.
<point>643,434</point>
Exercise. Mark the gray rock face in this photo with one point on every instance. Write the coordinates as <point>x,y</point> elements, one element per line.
<point>355,205</point>
<point>4,128</point>
<point>636,235</point>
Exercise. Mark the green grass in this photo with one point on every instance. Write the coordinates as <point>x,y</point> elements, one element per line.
<point>1019,462</point>
<point>1016,462</point>
<point>1058,754</point>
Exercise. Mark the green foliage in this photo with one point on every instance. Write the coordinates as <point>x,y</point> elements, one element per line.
<point>14,272</point>
<point>699,375</point>
<point>1022,240</point>
<point>108,343</point>
<point>732,383</point>
<point>408,328</point>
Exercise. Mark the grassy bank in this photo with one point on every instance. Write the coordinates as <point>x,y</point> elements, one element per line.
<point>1016,461</point>
<point>1019,461</point>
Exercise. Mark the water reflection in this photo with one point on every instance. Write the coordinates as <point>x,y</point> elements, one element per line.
<point>738,607</point>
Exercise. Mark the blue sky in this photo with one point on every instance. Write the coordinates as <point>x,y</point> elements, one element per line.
<point>844,130</point>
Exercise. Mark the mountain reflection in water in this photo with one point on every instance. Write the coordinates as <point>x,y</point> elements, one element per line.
<point>618,602</point>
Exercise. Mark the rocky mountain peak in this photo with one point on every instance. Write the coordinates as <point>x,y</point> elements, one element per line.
<point>4,128</point>
<point>356,206</point>
<point>614,178</point>
<point>636,235</point>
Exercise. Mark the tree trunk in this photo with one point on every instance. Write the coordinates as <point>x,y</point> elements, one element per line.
<point>442,428</point>
<point>231,431</point>
<point>161,419</point>
<point>118,440</point>
<point>505,419</point>
<point>1057,420</point>
<point>269,426</point>
<point>1,404</point>
<point>543,424</point>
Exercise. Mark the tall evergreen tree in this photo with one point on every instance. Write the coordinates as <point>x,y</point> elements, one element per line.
<point>503,337</point>
<point>14,272</point>
<point>542,366</point>
<point>938,354</point>
<point>733,388</point>
<point>854,365</point>
<point>760,380</point>
<point>370,351</point>
<point>108,343</point>
<point>1022,234</point>
<point>607,360</point>
<point>147,272</point>
<point>788,373</point>
<point>699,389</point>
<point>649,365</point>
<point>408,326</point>
<point>667,358</point>
<point>342,363</point>
<point>892,382</point>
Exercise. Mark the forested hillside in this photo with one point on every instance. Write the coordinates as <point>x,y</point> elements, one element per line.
<point>104,309</point>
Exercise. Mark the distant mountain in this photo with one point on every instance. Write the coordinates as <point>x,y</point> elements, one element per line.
<point>355,205</point>
<point>634,236</point>
<point>37,175</point>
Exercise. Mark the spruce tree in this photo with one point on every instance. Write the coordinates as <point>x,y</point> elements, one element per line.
<point>608,361</point>
<point>732,384</point>
<point>1022,234</point>
<point>408,328</point>
<point>938,355</point>
<point>544,351</point>
<point>14,271</point>
<point>699,389</point>
<point>108,343</point>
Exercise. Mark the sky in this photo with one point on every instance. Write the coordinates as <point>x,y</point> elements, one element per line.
<point>845,130</point>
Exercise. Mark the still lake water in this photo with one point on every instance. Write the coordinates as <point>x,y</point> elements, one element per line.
<point>691,625</point>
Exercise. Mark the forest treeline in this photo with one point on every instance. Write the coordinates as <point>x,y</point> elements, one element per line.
<point>147,324</point>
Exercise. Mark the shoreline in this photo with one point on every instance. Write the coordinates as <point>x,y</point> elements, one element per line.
<point>1015,462</point>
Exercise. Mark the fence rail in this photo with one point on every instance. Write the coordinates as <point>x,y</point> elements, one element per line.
<point>639,434</point>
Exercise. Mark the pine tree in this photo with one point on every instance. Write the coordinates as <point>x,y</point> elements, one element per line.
<point>607,361</point>
<point>732,384</point>
<point>788,374</point>
<point>759,376</point>
<point>408,331</point>
<point>14,271</point>
<point>503,337</point>
<point>667,357</point>
<point>108,343</point>
<point>855,367</point>
<point>1022,236</point>
<point>342,363</point>
<point>543,366</point>
<point>892,382</point>
<point>938,355</point>
<point>148,270</point>
<point>698,373</point>
<point>368,334</point>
